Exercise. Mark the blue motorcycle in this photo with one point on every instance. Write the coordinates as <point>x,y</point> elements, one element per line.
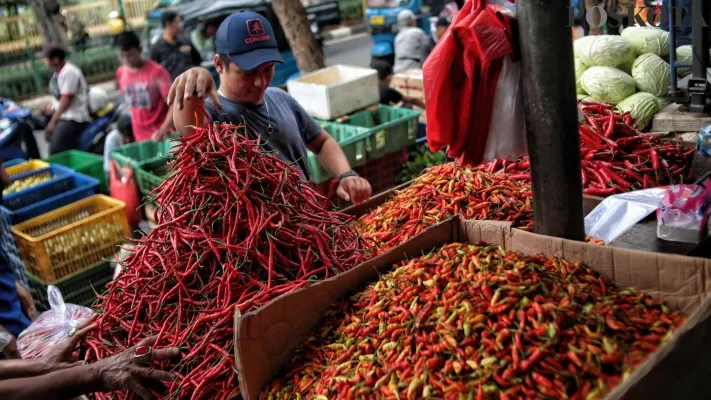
<point>16,128</point>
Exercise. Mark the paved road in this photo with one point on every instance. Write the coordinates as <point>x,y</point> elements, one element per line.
<point>353,50</point>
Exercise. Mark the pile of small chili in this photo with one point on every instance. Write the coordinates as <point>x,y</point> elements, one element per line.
<point>236,228</point>
<point>476,321</point>
<point>445,191</point>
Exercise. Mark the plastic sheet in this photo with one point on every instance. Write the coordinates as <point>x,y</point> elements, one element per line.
<point>617,214</point>
<point>52,327</point>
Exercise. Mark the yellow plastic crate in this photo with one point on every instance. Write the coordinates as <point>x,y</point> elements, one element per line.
<point>72,238</point>
<point>28,166</point>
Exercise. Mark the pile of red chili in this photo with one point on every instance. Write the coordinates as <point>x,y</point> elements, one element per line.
<point>616,157</point>
<point>445,191</point>
<point>476,321</point>
<point>236,228</point>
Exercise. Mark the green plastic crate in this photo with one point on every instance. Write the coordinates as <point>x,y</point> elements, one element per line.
<point>78,288</point>
<point>353,141</point>
<point>389,128</point>
<point>132,154</point>
<point>151,173</point>
<point>83,162</point>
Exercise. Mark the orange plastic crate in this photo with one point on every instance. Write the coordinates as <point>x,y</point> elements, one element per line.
<point>71,238</point>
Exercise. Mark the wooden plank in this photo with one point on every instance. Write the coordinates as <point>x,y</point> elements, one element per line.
<point>672,119</point>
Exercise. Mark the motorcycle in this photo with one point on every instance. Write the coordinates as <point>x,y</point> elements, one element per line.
<point>16,128</point>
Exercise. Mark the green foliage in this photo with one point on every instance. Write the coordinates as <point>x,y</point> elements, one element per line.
<point>421,159</point>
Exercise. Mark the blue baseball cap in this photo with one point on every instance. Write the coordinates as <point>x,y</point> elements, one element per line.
<point>248,39</point>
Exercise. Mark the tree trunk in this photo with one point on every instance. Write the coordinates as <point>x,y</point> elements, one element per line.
<point>48,21</point>
<point>295,22</point>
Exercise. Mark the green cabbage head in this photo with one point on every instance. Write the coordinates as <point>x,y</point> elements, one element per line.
<point>607,51</point>
<point>580,69</point>
<point>651,74</point>
<point>607,84</point>
<point>647,40</point>
<point>641,106</point>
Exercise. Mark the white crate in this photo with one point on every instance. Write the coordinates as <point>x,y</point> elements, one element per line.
<point>335,91</point>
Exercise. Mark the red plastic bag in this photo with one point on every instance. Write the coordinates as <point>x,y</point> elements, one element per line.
<point>461,77</point>
<point>124,188</point>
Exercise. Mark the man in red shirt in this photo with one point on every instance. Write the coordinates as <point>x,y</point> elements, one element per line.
<point>145,85</point>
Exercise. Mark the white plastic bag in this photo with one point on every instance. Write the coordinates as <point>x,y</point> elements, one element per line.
<point>507,133</point>
<point>52,327</point>
<point>616,214</point>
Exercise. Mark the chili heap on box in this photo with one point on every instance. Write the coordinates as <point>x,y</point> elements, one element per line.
<point>477,321</point>
<point>445,191</point>
<point>236,228</point>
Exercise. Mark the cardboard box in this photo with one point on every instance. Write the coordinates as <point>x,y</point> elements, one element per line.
<point>409,83</point>
<point>266,337</point>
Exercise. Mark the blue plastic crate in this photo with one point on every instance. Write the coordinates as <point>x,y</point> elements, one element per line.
<point>59,182</point>
<point>77,187</point>
<point>12,162</point>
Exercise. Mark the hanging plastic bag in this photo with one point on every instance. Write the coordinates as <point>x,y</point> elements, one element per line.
<point>684,211</point>
<point>123,187</point>
<point>617,214</point>
<point>53,327</point>
<point>462,77</point>
<point>507,134</point>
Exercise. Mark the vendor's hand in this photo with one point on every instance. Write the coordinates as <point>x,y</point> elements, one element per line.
<point>26,302</point>
<point>159,135</point>
<point>62,356</point>
<point>124,372</point>
<point>50,127</point>
<point>354,189</point>
<point>10,351</point>
<point>196,81</point>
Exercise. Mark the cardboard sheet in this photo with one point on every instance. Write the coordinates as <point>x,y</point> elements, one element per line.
<point>266,337</point>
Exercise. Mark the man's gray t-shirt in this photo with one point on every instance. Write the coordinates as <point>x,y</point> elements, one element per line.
<point>281,123</point>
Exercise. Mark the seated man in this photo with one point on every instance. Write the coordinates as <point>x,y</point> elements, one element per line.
<point>123,134</point>
<point>388,95</point>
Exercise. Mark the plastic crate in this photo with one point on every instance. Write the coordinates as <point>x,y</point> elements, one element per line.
<point>389,128</point>
<point>86,163</point>
<point>71,238</point>
<point>352,140</point>
<point>19,166</point>
<point>78,288</point>
<point>58,181</point>
<point>134,153</point>
<point>78,186</point>
<point>151,173</point>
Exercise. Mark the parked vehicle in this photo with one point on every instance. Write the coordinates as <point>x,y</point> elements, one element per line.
<point>196,12</point>
<point>12,117</point>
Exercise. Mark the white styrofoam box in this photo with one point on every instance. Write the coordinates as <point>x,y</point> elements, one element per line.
<point>335,91</point>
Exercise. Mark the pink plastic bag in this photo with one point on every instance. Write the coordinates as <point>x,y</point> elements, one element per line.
<point>683,214</point>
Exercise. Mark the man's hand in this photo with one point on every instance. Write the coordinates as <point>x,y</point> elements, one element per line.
<point>196,81</point>
<point>50,127</point>
<point>10,351</point>
<point>354,189</point>
<point>47,110</point>
<point>28,305</point>
<point>62,356</point>
<point>159,135</point>
<point>123,371</point>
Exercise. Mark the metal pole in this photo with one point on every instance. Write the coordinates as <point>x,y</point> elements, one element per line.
<point>121,10</point>
<point>672,54</point>
<point>551,117</point>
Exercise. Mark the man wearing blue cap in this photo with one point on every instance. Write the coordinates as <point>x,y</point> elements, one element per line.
<point>246,53</point>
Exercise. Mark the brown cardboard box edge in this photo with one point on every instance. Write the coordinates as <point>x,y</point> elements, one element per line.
<point>265,338</point>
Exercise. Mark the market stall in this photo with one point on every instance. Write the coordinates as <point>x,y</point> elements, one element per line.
<point>473,279</point>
